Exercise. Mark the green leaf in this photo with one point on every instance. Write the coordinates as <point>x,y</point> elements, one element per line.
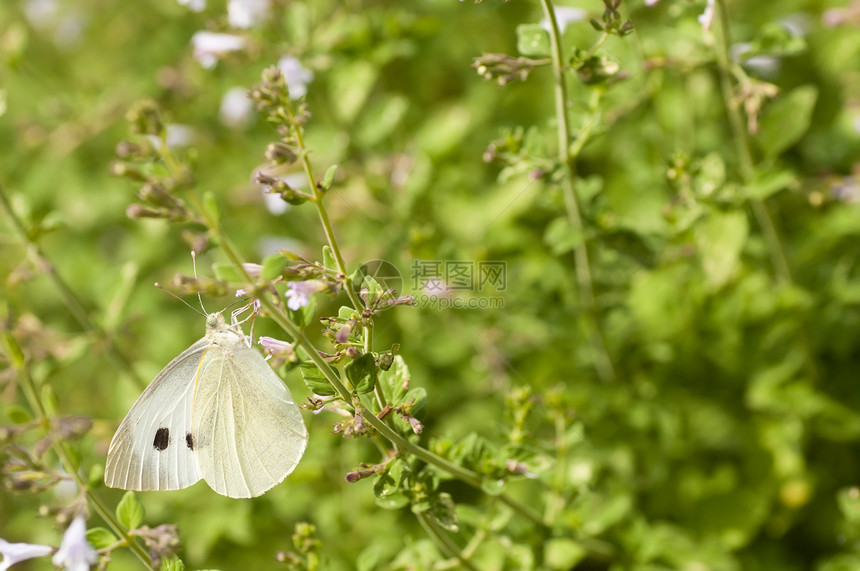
<point>561,237</point>
<point>273,266</point>
<point>129,511</point>
<point>533,40</point>
<point>562,553</point>
<point>394,379</point>
<point>848,501</point>
<point>662,301</point>
<point>720,240</point>
<point>353,83</point>
<point>13,350</point>
<point>419,396</point>
<point>96,475</point>
<point>588,188</point>
<point>315,380</point>
<point>328,258</point>
<point>306,315</point>
<point>631,244</point>
<point>476,453</point>
<point>49,400</point>
<point>370,558</point>
<point>210,205</point>
<point>390,486</point>
<point>226,272</point>
<point>100,538</point>
<point>346,313</point>
<point>393,501</point>
<point>768,182</point>
<point>785,120</point>
<point>384,115</point>
<point>493,486</point>
<point>361,372</point>
<point>774,39</point>
<point>444,129</point>
<point>18,414</point>
<point>442,511</point>
<point>374,290</point>
<point>840,562</point>
<point>172,564</point>
<point>328,177</point>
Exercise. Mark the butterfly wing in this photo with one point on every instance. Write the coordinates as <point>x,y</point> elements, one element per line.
<point>151,449</point>
<point>248,430</point>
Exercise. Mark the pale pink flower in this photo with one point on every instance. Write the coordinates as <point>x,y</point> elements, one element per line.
<point>75,553</point>
<point>299,293</point>
<point>253,270</point>
<point>236,108</point>
<point>14,552</point>
<point>706,19</point>
<point>246,14</point>
<point>193,5</point>
<point>296,76</point>
<point>209,47</point>
<point>565,15</point>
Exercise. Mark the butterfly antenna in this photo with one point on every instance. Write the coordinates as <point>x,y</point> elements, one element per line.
<point>194,265</point>
<point>167,291</point>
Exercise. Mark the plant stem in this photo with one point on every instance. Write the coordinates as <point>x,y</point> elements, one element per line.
<point>322,212</point>
<point>445,543</point>
<point>772,240</point>
<point>323,216</point>
<point>744,152</point>
<point>28,387</point>
<point>458,472</point>
<point>602,360</point>
<point>73,304</point>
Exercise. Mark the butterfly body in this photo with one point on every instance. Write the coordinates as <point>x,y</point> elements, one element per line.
<point>216,412</point>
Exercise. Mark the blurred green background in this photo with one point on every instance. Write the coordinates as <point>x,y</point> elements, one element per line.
<point>728,438</point>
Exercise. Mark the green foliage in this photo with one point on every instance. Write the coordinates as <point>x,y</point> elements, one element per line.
<point>665,379</point>
<point>361,373</point>
<point>129,511</point>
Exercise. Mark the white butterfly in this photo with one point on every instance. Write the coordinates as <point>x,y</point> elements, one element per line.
<point>217,412</point>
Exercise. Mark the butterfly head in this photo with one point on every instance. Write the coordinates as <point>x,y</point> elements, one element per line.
<point>215,322</point>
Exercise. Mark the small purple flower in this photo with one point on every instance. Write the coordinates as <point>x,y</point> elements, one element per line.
<point>194,5</point>
<point>253,270</point>
<point>75,553</point>
<point>177,136</point>
<point>299,293</point>
<point>706,19</point>
<point>296,76</point>
<point>342,335</point>
<point>275,346</point>
<point>565,15</point>
<point>12,553</point>
<point>210,46</point>
<point>236,108</point>
<point>247,13</point>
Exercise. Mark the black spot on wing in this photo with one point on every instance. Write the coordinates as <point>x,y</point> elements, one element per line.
<point>189,441</point>
<point>162,439</point>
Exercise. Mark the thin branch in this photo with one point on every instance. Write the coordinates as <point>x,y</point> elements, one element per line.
<point>28,387</point>
<point>443,541</point>
<point>602,360</point>
<point>73,304</point>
